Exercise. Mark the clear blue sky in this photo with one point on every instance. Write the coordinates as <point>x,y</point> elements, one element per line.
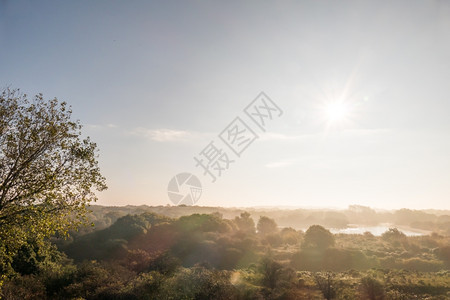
<point>155,82</point>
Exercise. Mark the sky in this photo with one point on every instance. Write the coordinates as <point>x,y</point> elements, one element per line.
<point>363,87</point>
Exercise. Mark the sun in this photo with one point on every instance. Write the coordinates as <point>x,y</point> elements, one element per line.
<point>337,111</point>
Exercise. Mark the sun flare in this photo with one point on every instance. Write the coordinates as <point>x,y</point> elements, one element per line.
<point>337,111</point>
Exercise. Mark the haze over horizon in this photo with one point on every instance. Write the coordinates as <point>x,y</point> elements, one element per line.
<point>363,87</point>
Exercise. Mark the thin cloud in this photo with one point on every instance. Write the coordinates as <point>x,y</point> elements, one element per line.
<point>100,126</point>
<point>166,135</point>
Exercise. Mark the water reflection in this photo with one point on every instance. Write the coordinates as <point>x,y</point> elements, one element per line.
<point>377,230</point>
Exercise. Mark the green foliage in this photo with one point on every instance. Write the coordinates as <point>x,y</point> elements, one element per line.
<point>327,284</point>
<point>202,223</point>
<point>437,221</point>
<point>145,286</point>
<point>113,242</point>
<point>164,263</point>
<point>34,256</point>
<point>290,236</point>
<point>318,237</point>
<point>204,256</point>
<point>307,259</point>
<point>344,259</point>
<point>24,287</point>
<point>207,257</point>
<point>271,271</point>
<point>273,239</point>
<point>48,173</point>
<point>372,289</point>
<point>393,235</point>
<point>245,223</point>
<point>266,226</point>
<point>199,283</point>
<point>276,279</point>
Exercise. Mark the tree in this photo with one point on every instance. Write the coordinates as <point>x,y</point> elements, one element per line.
<point>290,236</point>
<point>318,237</point>
<point>200,283</point>
<point>245,223</point>
<point>266,225</point>
<point>393,234</point>
<point>372,289</point>
<point>48,172</point>
<point>326,284</point>
<point>270,270</point>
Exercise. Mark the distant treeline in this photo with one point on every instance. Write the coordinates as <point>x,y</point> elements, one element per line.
<point>429,220</point>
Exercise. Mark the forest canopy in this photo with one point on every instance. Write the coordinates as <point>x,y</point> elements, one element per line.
<point>206,256</point>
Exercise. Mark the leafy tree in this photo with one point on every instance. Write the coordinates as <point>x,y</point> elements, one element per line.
<point>48,172</point>
<point>318,237</point>
<point>393,234</point>
<point>266,225</point>
<point>290,236</point>
<point>128,227</point>
<point>271,271</point>
<point>245,223</point>
<point>198,283</point>
<point>144,286</point>
<point>164,263</point>
<point>326,284</point>
<point>273,239</point>
<point>372,289</point>
<point>202,223</point>
<point>94,280</point>
<point>33,256</point>
<point>24,287</point>
<point>275,276</point>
